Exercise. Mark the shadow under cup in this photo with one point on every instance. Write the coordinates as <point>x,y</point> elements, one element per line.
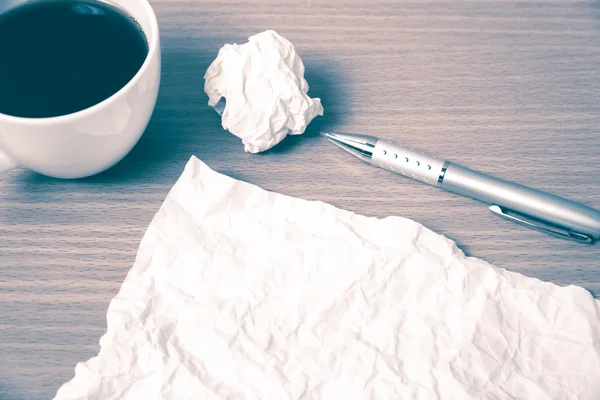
<point>92,140</point>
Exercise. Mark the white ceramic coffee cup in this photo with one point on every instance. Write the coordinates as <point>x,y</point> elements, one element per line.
<point>94,139</point>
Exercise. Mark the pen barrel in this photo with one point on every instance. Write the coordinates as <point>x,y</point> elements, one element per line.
<point>521,199</point>
<point>407,162</point>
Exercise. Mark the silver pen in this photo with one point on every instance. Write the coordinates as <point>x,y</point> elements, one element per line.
<point>532,208</point>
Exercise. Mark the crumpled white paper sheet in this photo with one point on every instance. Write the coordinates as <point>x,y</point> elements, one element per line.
<point>240,293</point>
<point>265,91</point>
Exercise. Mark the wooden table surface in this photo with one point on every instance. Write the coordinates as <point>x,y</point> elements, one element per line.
<point>510,88</point>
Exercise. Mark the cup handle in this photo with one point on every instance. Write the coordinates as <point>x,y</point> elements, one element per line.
<point>6,162</point>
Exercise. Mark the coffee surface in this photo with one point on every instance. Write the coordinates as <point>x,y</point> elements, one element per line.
<point>62,56</point>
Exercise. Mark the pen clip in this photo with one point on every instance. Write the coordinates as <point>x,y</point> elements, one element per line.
<point>552,231</point>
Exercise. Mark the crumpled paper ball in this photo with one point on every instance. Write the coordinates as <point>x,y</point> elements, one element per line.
<point>265,92</point>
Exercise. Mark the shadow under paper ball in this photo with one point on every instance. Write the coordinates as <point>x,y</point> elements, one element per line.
<point>328,85</point>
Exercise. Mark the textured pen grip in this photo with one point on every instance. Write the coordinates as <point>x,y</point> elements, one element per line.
<point>407,162</point>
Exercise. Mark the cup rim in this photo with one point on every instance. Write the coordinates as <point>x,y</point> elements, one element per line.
<point>153,45</point>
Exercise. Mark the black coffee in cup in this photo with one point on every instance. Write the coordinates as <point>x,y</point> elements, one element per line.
<point>58,57</point>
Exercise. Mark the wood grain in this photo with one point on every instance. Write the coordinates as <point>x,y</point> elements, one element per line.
<point>510,88</point>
